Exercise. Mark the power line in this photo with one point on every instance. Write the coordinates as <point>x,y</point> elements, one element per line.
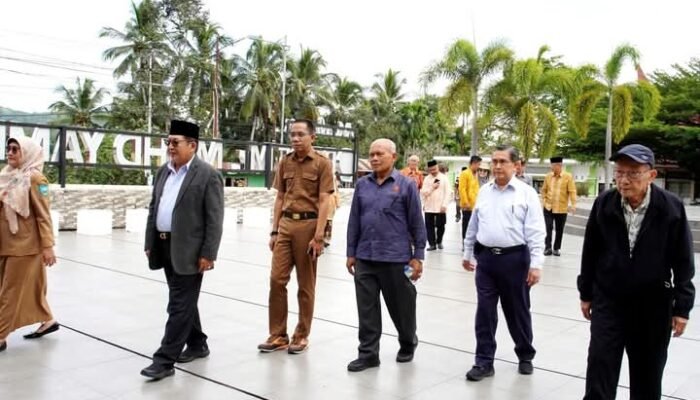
<point>51,65</point>
<point>56,59</point>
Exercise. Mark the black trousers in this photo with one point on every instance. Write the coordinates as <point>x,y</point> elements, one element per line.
<point>502,277</point>
<point>435,226</point>
<point>640,325</point>
<point>466,215</point>
<point>183,326</point>
<point>399,294</point>
<point>558,220</point>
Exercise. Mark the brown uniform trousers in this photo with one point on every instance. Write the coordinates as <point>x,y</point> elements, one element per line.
<point>22,274</point>
<point>300,182</point>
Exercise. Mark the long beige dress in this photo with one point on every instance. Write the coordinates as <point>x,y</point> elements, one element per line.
<point>22,273</point>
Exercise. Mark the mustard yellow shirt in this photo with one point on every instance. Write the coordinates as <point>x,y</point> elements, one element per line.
<point>468,188</point>
<point>557,192</point>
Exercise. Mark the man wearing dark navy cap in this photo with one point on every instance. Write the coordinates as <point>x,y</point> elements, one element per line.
<point>636,277</point>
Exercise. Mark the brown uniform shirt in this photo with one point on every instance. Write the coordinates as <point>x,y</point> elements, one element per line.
<point>34,233</point>
<point>301,181</point>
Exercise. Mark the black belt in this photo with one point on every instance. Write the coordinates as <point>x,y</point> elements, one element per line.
<point>163,235</point>
<point>299,215</point>
<point>499,251</point>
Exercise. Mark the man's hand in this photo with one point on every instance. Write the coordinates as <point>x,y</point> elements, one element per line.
<point>533,276</point>
<point>273,241</point>
<point>48,257</point>
<point>350,265</point>
<point>586,309</point>
<point>436,185</point>
<point>417,266</point>
<point>468,265</point>
<point>148,253</point>
<point>678,325</point>
<point>572,210</point>
<point>443,210</point>
<point>315,248</point>
<point>205,264</point>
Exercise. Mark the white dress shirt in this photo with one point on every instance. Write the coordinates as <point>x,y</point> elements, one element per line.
<point>435,199</point>
<point>171,189</point>
<point>505,217</point>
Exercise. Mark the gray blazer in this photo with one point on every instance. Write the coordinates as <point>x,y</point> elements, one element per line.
<point>198,218</point>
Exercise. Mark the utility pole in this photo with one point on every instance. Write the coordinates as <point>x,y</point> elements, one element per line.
<point>284,87</point>
<point>215,97</point>
<point>150,91</point>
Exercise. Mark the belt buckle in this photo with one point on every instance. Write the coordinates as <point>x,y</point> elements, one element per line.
<point>296,216</point>
<point>163,235</point>
<point>497,251</point>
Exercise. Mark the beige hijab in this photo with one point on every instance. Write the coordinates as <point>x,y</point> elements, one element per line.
<point>15,183</point>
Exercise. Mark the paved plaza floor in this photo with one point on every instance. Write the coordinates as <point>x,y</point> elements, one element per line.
<point>112,311</point>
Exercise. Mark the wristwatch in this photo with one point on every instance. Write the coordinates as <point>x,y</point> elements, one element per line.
<point>274,233</point>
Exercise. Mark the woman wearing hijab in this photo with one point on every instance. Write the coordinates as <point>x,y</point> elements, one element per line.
<point>26,241</point>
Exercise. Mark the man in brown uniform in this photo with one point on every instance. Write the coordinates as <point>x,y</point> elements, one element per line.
<point>304,183</point>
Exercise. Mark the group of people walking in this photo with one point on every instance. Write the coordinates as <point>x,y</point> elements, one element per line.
<point>635,281</point>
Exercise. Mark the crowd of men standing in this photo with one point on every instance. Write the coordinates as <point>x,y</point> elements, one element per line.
<point>635,282</point>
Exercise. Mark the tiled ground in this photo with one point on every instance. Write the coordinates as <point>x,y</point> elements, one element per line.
<point>112,309</point>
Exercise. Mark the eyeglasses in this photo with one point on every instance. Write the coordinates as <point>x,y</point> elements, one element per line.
<point>176,142</point>
<point>12,149</point>
<point>631,175</point>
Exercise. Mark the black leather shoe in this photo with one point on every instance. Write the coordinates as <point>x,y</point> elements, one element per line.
<point>36,334</point>
<point>478,373</point>
<point>157,371</point>
<point>556,253</point>
<point>431,248</point>
<point>3,346</point>
<point>548,252</point>
<point>190,354</point>
<point>404,356</point>
<point>525,367</point>
<point>362,364</point>
<point>440,246</point>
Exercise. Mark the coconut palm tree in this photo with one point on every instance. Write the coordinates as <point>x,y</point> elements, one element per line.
<point>261,81</point>
<point>144,54</point>
<point>308,86</point>
<point>143,39</point>
<point>466,69</point>
<point>82,105</point>
<point>387,92</point>
<point>346,96</point>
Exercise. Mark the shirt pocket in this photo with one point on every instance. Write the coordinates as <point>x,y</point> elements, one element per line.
<point>288,179</point>
<point>519,210</point>
<point>310,182</point>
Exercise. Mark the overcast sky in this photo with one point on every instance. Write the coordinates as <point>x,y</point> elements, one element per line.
<point>358,39</point>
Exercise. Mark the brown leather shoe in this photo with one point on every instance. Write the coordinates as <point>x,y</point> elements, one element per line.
<point>298,346</point>
<point>274,343</point>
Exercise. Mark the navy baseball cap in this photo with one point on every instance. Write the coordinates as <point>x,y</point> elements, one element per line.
<point>637,153</point>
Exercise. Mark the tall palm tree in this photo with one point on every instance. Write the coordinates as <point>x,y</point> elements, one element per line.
<point>308,85</point>
<point>259,76</point>
<point>531,100</point>
<point>82,105</point>
<point>387,92</point>
<point>620,101</point>
<point>198,77</point>
<point>346,96</point>
<point>144,53</point>
<point>466,69</point>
